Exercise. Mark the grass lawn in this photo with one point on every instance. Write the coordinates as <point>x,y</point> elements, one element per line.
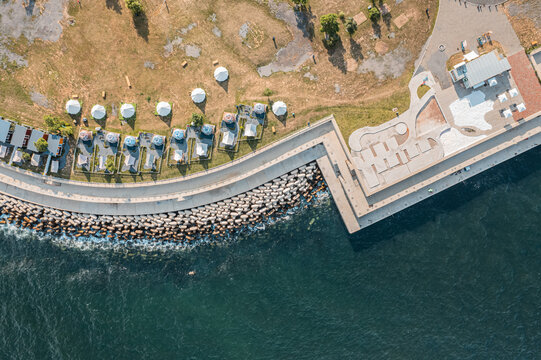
<point>422,90</point>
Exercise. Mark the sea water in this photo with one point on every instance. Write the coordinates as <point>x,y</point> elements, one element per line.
<point>456,276</point>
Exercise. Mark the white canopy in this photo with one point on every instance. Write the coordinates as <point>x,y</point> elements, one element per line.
<point>82,160</point>
<point>112,138</point>
<point>98,112</point>
<point>127,111</point>
<point>279,108</point>
<point>492,82</point>
<point>178,155</point>
<point>201,149</point>
<point>521,107</point>
<point>35,160</point>
<point>507,113</point>
<point>228,139</point>
<point>130,141</point>
<point>54,166</point>
<point>221,74</point>
<point>163,108</point>
<point>18,156</point>
<point>250,130</point>
<point>85,135</point>
<point>198,95</point>
<point>259,108</point>
<point>73,107</point>
<point>513,92</point>
<point>502,97</point>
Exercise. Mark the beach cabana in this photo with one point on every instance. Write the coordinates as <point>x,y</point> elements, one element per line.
<point>221,74</point>
<point>127,111</point>
<point>229,118</point>
<point>201,149</point>
<point>73,107</point>
<point>112,138</point>
<point>130,141</point>
<point>521,107</point>
<point>18,156</point>
<point>85,135</point>
<point>54,166</point>
<point>35,160</point>
<point>101,163</point>
<point>149,162</point>
<point>178,134</point>
<point>492,81</point>
<point>130,160</point>
<point>163,108</point>
<point>158,140</point>
<point>228,138</point>
<point>250,130</point>
<point>260,108</point>
<point>279,108</point>
<point>513,92</point>
<point>82,160</point>
<point>98,112</point>
<point>507,113</point>
<point>178,155</point>
<point>198,95</point>
<point>3,151</point>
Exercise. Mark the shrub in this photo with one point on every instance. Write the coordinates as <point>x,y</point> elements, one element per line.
<point>329,24</point>
<point>267,92</point>
<point>374,14</point>
<point>351,25</point>
<point>41,145</point>
<point>301,3</point>
<point>341,15</point>
<point>135,6</point>
<point>197,119</point>
<point>110,164</point>
<point>57,126</point>
<point>26,156</point>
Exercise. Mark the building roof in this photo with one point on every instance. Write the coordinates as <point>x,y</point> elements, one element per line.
<point>55,143</point>
<point>19,134</point>
<point>4,129</point>
<point>483,68</point>
<point>36,134</point>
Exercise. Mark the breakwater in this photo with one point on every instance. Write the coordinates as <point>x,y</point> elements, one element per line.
<point>270,200</point>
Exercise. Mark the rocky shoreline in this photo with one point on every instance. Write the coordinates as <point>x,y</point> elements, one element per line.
<point>219,219</point>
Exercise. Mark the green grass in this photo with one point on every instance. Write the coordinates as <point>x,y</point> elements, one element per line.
<point>422,90</point>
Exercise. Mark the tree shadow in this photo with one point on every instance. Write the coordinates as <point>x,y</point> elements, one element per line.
<point>356,50</point>
<point>101,122</point>
<point>140,22</point>
<point>114,5</point>
<point>387,20</point>
<point>224,84</point>
<point>166,119</point>
<point>252,144</point>
<point>30,7</point>
<point>376,28</point>
<point>131,121</point>
<point>305,22</point>
<point>336,56</point>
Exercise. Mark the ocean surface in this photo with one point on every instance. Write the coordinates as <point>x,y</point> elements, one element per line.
<point>455,277</point>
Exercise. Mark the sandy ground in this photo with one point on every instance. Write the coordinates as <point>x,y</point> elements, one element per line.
<point>429,118</point>
<point>470,111</point>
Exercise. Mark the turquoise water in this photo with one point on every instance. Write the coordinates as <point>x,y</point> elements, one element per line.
<point>457,276</point>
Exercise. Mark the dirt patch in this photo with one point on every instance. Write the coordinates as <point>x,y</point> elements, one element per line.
<point>390,65</point>
<point>351,65</point>
<point>402,19</point>
<point>39,99</point>
<point>430,118</point>
<point>360,18</point>
<point>381,47</point>
<point>525,17</point>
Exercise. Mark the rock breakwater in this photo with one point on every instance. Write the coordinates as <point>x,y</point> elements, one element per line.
<point>270,200</point>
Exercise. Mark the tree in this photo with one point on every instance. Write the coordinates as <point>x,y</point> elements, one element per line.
<point>26,156</point>
<point>301,3</point>
<point>329,24</point>
<point>41,145</point>
<point>135,6</point>
<point>110,164</point>
<point>374,14</point>
<point>197,119</point>
<point>57,126</point>
<point>351,25</point>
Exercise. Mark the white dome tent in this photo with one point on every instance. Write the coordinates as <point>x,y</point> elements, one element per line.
<point>221,74</point>
<point>198,95</point>
<point>279,108</point>
<point>98,112</point>
<point>73,107</point>
<point>127,111</point>
<point>163,108</point>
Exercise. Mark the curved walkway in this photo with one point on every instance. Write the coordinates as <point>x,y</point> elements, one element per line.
<point>213,185</point>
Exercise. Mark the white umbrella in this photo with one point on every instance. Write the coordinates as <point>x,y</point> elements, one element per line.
<point>521,107</point>
<point>259,108</point>
<point>198,95</point>
<point>163,108</point>
<point>178,134</point>
<point>73,107</point>
<point>112,138</point>
<point>127,111</point>
<point>98,112</point>
<point>221,74</point>
<point>279,108</point>
<point>130,141</point>
<point>157,140</point>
